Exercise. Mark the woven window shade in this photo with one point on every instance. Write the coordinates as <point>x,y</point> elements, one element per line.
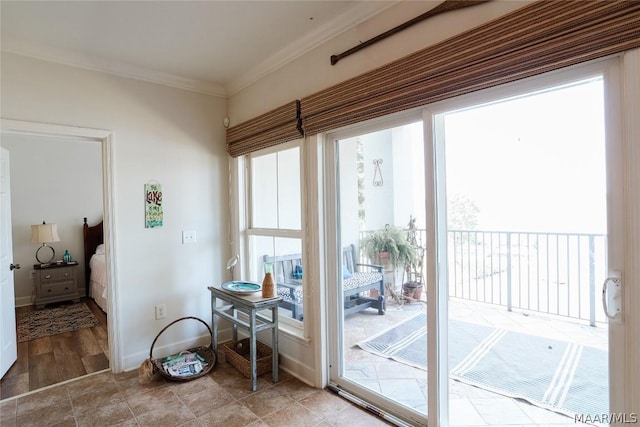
<point>272,128</point>
<point>540,37</point>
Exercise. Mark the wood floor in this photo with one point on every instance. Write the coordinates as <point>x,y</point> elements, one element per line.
<point>50,360</point>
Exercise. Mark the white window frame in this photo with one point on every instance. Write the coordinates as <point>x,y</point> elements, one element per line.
<point>286,324</point>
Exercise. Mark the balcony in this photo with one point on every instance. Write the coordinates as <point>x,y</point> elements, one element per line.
<point>540,284</point>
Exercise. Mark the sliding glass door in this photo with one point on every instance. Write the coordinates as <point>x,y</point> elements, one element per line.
<point>500,207</point>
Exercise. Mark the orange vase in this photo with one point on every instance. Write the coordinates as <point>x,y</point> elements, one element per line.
<point>268,288</point>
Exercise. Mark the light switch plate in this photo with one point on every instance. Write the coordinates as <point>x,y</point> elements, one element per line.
<point>188,236</point>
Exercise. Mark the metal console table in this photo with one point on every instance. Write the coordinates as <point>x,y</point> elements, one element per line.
<point>250,305</point>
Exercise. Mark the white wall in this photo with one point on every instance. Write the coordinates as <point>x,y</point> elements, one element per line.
<point>169,135</point>
<point>349,206</point>
<point>57,181</point>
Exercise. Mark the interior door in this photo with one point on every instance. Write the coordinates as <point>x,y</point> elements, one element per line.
<point>8,350</point>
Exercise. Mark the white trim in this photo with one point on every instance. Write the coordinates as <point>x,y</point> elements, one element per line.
<point>306,44</point>
<point>437,296</point>
<point>105,137</point>
<point>360,12</point>
<point>615,225</point>
<point>73,59</point>
<point>315,247</point>
<point>631,278</point>
<point>288,326</point>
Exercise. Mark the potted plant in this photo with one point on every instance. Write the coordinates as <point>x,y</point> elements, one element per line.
<point>413,278</point>
<point>389,243</point>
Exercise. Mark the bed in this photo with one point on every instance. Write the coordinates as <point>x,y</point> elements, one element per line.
<point>95,266</point>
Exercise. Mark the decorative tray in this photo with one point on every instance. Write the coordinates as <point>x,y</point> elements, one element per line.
<point>240,287</point>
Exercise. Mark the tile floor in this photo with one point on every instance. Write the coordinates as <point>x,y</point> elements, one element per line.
<point>221,398</point>
<point>469,406</point>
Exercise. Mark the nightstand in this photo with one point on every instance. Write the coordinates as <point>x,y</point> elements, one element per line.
<point>56,282</point>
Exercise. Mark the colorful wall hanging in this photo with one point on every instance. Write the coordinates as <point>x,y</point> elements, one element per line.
<point>153,205</point>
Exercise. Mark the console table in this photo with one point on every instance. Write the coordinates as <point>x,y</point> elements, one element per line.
<point>249,304</point>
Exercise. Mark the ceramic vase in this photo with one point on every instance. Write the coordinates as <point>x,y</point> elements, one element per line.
<point>268,288</point>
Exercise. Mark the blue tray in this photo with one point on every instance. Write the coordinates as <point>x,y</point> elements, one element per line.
<point>241,287</point>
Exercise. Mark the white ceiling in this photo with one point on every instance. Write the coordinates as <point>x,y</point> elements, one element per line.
<point>215,47</point>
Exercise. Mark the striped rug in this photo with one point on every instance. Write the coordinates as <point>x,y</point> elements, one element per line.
<point>564,377</point>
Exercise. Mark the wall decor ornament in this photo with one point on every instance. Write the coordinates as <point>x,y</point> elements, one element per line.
<point>153,205</point>
<point>377,173</point>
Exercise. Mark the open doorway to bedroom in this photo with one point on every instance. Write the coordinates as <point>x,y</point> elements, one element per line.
<point>62,333</point>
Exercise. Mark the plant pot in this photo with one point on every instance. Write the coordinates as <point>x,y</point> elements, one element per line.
<point>412,290</point>
<point>384,259</point>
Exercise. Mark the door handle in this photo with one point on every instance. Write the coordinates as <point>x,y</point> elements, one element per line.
<point>14,267</point>
<point>611,297</point>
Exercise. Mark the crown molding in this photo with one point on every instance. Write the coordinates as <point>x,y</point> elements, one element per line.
<point>68,57</point>
<point>361,12</point>
<point>356,15</point>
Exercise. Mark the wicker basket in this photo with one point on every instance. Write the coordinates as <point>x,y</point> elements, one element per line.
<point>238,356</point>
<point>205,352</point>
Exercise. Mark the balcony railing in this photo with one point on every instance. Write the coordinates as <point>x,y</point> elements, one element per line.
<point>553,273</point>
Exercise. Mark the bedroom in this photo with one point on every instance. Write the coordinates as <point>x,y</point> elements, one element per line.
<point>57,181</point>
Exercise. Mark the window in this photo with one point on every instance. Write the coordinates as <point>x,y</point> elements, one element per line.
<point>274,233</point>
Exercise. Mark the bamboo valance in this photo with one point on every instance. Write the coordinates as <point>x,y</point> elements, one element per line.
<point>272,128</point>
<point>540,37</point>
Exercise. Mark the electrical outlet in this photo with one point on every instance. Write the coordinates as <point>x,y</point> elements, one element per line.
<point>188,236</point>
<point>161,311</point>
<point>33,274</point>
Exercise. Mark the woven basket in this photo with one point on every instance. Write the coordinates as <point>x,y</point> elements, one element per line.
<point>238,356</point>
<point>206,353</point>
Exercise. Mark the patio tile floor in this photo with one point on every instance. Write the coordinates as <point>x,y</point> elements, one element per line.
<point>469,405</point>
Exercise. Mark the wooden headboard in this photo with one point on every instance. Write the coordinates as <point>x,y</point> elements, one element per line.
<point>93,236</point>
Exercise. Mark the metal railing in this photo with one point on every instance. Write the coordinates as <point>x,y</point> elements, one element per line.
<point>553,273</point>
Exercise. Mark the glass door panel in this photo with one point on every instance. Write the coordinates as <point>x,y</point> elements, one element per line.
<point>381,316</point>
<point>526,201</point>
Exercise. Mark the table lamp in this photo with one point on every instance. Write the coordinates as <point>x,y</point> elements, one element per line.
<point>44,233</point>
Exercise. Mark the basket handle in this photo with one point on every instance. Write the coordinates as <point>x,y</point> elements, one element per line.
<point>176,321</point>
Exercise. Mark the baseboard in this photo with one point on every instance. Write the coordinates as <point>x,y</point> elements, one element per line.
<point>23,301</point>
<point>292,366</point>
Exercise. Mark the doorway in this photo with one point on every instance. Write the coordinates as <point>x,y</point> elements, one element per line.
<point>83,138</point>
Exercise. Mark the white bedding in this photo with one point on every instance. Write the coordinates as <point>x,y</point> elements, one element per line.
<point>98,279</point>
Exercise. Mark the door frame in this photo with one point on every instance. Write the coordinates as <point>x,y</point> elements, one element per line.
<point>334,318</point>
<point>105,138</point>
<point>629,401</point>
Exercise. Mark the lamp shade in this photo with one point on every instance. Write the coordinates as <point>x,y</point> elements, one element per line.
<point>44,233</point>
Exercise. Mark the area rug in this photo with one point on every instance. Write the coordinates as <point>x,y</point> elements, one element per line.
<point>564,377</point>
<point>52,321</point>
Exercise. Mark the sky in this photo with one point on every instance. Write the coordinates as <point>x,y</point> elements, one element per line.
<point>535,163</point>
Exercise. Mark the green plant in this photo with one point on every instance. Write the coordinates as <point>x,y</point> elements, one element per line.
<point>392,240</point>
